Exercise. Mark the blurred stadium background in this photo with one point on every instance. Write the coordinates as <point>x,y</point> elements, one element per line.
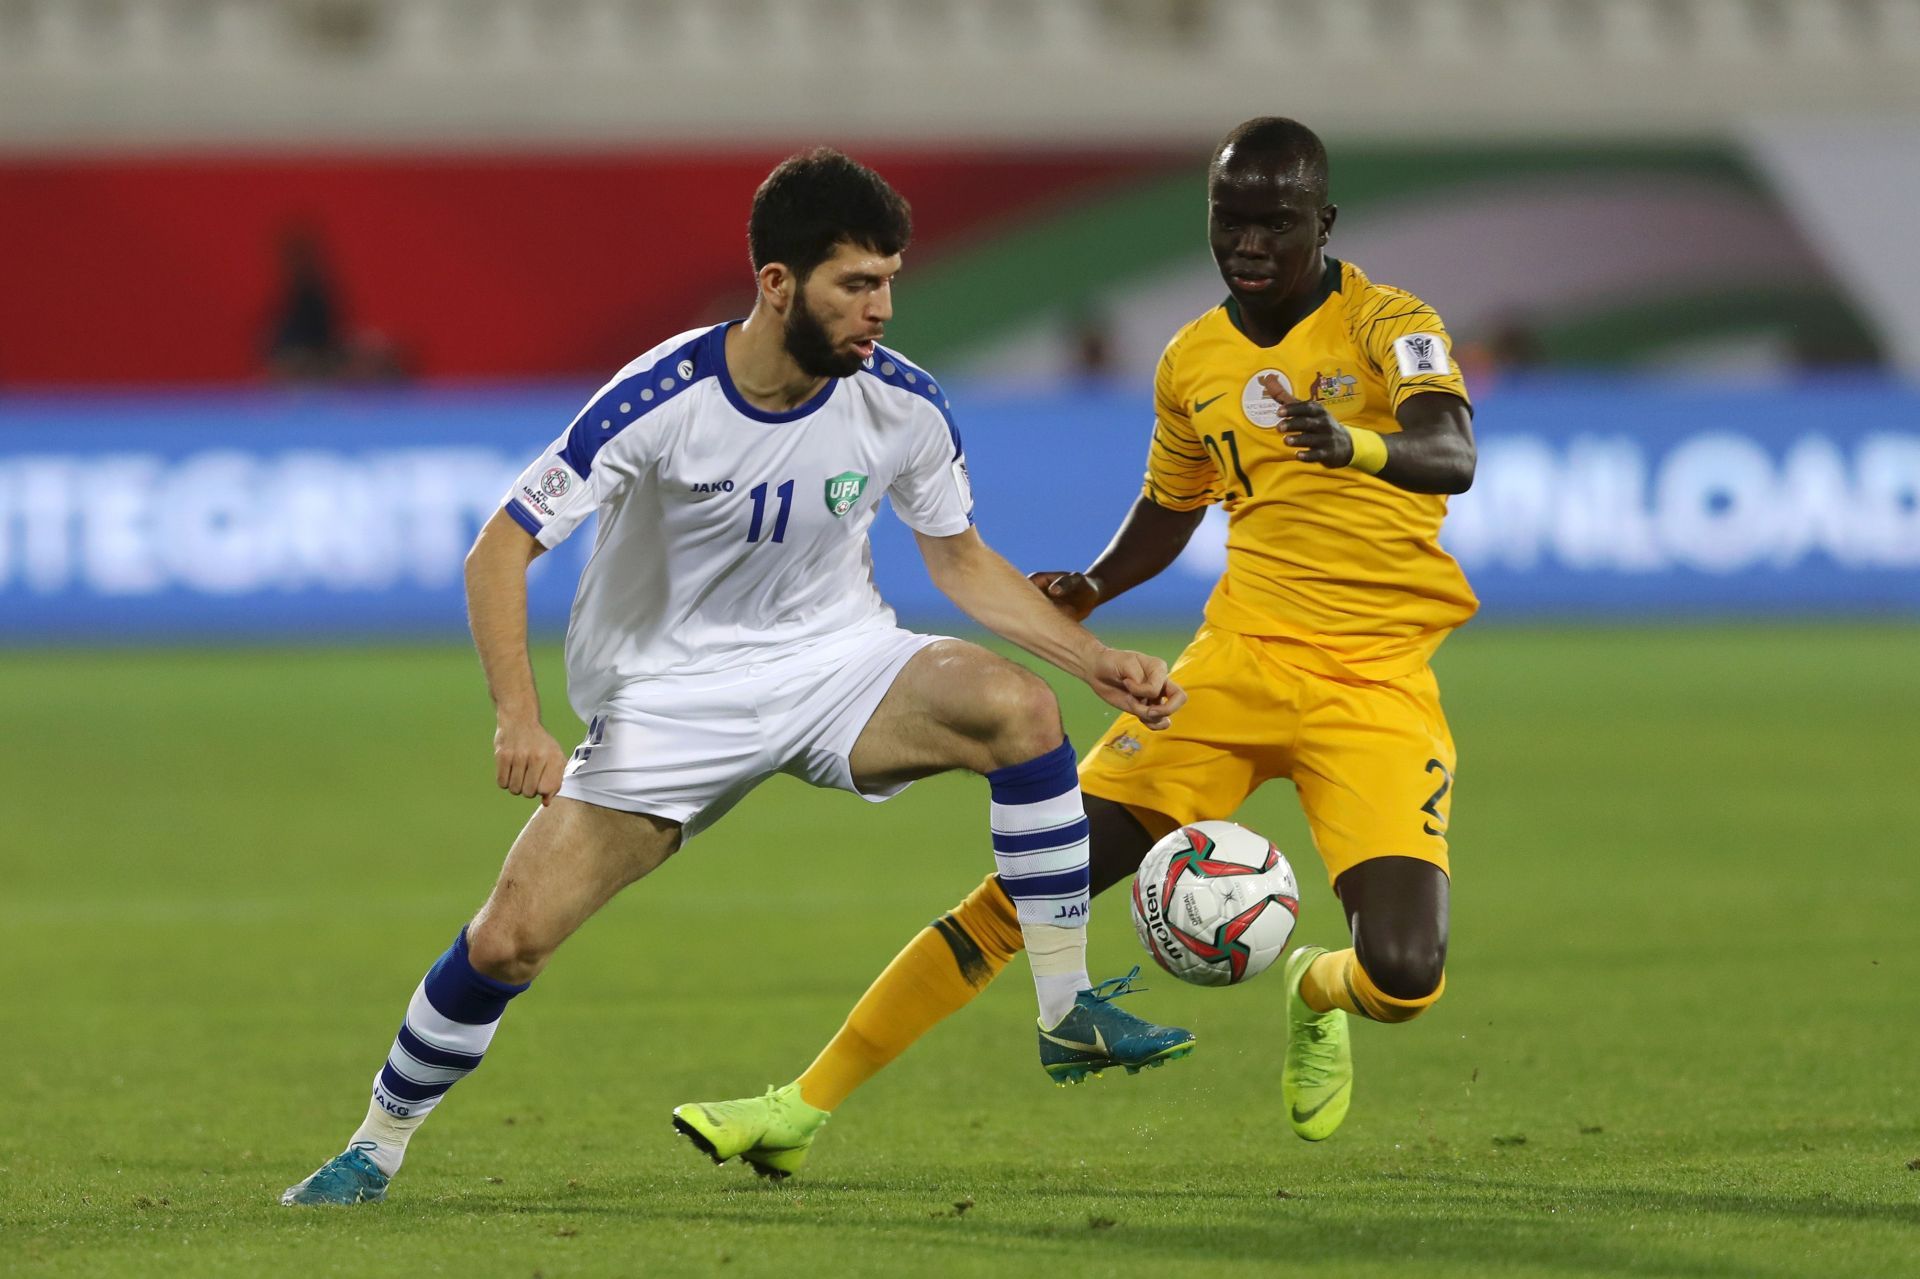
<point>289,289</point>
<point>291,285</point>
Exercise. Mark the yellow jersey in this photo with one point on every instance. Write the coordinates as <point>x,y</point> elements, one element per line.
<point>1342,566</point>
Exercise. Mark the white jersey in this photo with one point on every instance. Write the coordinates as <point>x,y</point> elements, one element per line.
<point>727,532</point>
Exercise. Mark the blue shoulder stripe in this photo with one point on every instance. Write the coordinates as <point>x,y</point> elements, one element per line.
<point>632,398</point>
<point>894,371</point>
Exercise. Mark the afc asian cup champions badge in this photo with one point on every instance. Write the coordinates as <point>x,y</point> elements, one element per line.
<point>1263,395</point>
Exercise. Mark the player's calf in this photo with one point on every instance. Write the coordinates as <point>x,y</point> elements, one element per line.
<point>954,705</point>
<point>449,1023</point>
<point>1117,842</point>
<point>1039,832</point>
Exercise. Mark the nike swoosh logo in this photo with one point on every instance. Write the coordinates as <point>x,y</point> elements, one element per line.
<point>1301,1116</point>
<point>1201,404</point>
<point>1099,1044</point>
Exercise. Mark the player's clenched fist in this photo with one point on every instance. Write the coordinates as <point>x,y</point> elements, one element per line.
<point>1314,434</point>
<point>1074,594</point>
<point>527,760</point>
<point>1138,685</point>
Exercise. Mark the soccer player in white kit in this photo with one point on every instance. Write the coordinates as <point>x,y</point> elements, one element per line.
<point>727,628</point>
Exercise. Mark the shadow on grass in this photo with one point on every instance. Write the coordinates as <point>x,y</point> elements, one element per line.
<point>1445,1223</point>
<point>1660,1202</point>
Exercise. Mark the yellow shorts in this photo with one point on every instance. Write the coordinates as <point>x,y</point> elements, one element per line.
<point>1373,762</point>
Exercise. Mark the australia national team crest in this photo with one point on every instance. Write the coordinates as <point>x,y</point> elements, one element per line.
<point>1262,396</point>
<point>1337,387</point>
<point>843,492</point>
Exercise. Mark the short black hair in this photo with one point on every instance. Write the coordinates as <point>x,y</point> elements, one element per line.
<point>1272,137</point>
<point>817,200</point>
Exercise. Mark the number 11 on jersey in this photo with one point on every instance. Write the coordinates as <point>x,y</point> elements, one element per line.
<point>759,495</point>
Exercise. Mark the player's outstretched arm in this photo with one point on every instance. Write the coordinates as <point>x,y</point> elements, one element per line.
<point>1433,452</point>
<point>527,760</point>
<point>1148,540</point>
<point>993,593</point>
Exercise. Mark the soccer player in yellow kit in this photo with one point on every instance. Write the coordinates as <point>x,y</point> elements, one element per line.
<point>1325,412</point>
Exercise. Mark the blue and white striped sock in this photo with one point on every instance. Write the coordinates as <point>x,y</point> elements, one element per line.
<point>450,1021</point>
<point>1040,846</point>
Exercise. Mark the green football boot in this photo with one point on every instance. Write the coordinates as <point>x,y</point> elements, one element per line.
<point>1316,1080</point>
<point>1097,1034</point>
<point>770,1133</point>
<point>347,1178</point>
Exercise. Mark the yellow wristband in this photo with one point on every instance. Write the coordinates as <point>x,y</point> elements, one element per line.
<point>1369,450</point>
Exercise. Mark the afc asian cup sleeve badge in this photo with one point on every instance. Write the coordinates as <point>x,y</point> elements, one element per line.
<point>1421,354</point>
<point>556,481</point>
<point>1263,395</point>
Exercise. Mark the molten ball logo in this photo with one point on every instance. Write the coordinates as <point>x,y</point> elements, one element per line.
<point>1214,903</point>
<point>1149,908</point>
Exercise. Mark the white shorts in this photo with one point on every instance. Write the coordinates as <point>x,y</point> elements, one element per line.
<point>690,747</point>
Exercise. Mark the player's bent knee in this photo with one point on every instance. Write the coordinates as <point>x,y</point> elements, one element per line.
<point>1401,986</point>
<point>1026,717</point>
<point>1405,971</point>
<point>505,952</point>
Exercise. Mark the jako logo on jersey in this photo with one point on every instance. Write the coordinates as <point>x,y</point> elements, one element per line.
<point>843,492</point>
<point>1262,396</point>
<point>556,481</point>
<point>684,369</point>
<point>717,486</point>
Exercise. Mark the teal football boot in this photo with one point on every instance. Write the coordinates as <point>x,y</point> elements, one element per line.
<point>1097,1034</point>
<point>347,1178</point>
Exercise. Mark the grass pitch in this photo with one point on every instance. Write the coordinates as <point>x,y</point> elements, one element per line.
<point>1679,1038</point>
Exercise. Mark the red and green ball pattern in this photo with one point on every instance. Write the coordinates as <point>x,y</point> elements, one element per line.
<point>1225,947</point>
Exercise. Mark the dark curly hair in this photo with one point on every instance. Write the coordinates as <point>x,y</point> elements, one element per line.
<point>817,200</point>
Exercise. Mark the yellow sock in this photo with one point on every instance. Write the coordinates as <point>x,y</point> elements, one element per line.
<point>940,971</point>
<point>1336,980</point>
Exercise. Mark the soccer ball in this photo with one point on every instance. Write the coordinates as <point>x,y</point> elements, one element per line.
<point>1214,903</point>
